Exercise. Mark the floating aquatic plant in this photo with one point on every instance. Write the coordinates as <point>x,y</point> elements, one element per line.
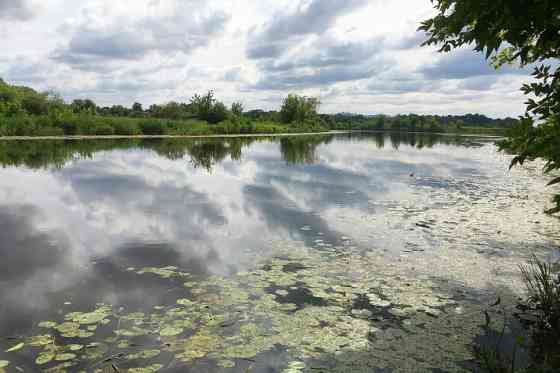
<point>17,347</point>
<point>363,306</point>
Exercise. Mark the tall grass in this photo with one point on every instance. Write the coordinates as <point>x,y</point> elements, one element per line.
<point>91,125</point>
<point>539,315</point>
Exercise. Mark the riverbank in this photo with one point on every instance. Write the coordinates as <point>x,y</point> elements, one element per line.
<point>117,137</point>
<point>217,136</point>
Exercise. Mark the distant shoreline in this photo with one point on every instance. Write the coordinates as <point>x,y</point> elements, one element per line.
<point>217,136</point>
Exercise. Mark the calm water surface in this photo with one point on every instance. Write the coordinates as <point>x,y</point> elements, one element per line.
<point>298,254</point>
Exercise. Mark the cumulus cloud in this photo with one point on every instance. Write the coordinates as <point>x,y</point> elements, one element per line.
<point>320,77</point>
<point>178,29</point>
<point>19,10</point>
<point>324,62</point>
<point>297,50</point>
<point>283,30</point>
<point>464,64</point>
<point>400,86</point>
<point>358,55</point>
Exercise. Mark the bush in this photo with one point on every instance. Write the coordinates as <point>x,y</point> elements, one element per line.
<point>49,131</point>
<point>152,128</point>
<point>35,104</point>
<point>68,123</point>
<point>218,113</point>
<point>20,125</point>
<point>126,128</point>
<point>104,130</point>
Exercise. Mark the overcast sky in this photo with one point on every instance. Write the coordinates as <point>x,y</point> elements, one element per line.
<point>356,55</point>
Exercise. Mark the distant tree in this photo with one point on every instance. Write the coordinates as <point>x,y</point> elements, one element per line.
<point>237,108</point>
<point>299,109</point>
<point>35,104</point>
<point>380,123</point>
<point>83,106</point>
<point>202,105</point>
<point>218,113</point>
<point>137,107</point>
<point>208,108</point>
<point>513,32</point>
<point>118,111</point>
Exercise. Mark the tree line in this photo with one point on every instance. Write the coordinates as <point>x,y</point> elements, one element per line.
<point>26,112</point>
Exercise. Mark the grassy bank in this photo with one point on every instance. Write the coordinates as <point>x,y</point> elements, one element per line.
<point>90,125</point>
<point>95,125</point>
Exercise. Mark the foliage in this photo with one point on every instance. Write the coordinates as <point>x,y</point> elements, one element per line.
<point>26,112</point>
<point>538,316</point>
<point>530,142</point>
<point>299,109</point>
<point>126,128</point>
<point>208,108</point>
<point>217,114</point>
<point>237,108</point>
<point>541,313</point>
<point>513,31</point>
<point>152,128</point>
<point>83,106</point>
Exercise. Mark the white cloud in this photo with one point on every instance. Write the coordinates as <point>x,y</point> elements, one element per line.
<point>357,55</point>
<point>17,10</point>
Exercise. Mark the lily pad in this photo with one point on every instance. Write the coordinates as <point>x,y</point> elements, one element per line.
<point>65,357</point>
<point>17,347</point>
<point>170,331</point>
<point>147,354</point>
<point>149,369</point>
<point>47,324</point>
<point>226,363</point>
<point>41,340</point>
<point>44,358</point>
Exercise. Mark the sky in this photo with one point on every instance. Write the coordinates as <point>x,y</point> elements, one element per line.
<point>360,56</point>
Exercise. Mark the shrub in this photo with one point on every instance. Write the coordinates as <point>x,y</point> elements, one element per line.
<point>49,131</point>
<point>35,104</point>
<point>218,113</point>
<point>69,127</point>
<point>543,311</point>
<point>104,130</point>
<point>152,128</point>
<point>20,125</point>
<point>539,316</point>
<point>237,109</point>
<point>126,128</point>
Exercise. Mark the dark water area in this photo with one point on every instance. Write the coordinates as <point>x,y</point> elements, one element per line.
<point>338,252</point>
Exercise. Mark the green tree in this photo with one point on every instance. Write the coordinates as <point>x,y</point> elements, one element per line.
<point>202,105</point>
<point>299,109</point>
<point>523,32</point>
<point>86,106</point>
<point>208,108</point>
<point>35,104</point>
<point>218,113</point>
<point>237,109</point>
<point>137,108</point>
